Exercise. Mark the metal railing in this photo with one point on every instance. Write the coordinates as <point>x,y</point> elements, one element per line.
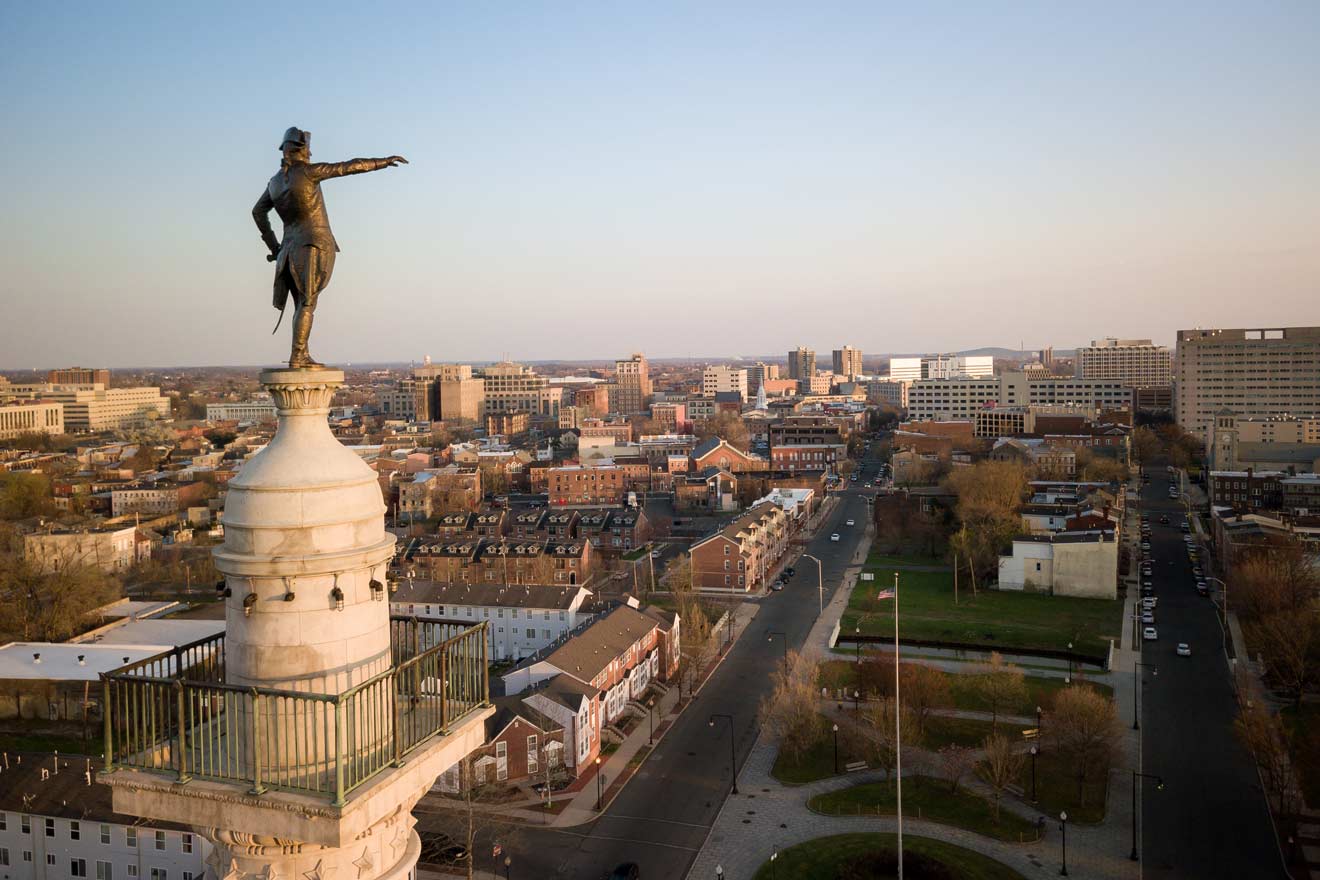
<point>174,714</point>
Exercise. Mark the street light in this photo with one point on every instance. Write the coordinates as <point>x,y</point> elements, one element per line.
<point>836,750</point>
<point>1136,686</point>
<point>650,711</point>
<point>1063,827</point>
<point>600,775</point>
<point>1034,751</point>
<point>508,862</point>
<point>857,642</point>
<point>1038,725</point>
<point>1159,786</point>
<point>857,696</point>
<point>733,755</point>
<point>820,580</point>
<point>770,637</point>
<point>774,855</point>
<point>719,872</point>
<point>1068,680</point>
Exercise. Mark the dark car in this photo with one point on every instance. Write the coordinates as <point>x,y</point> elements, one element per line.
<point>790,571</point>
<point>626,871</point>
<point>1164,519</point>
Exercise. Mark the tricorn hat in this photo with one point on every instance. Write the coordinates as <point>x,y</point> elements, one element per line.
<point>297,137</point>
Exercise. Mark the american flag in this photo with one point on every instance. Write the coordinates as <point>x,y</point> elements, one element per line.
<point>885,594</point>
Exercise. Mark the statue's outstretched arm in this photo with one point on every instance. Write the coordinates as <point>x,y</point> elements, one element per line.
<point>261,214</point>
<point>324,170</point>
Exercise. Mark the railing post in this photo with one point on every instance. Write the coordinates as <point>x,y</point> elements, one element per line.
<point>444,691</point>
<point>339,752</point>
<point>181,721</point>
<point>109,725</point>
<point>257,787</point>
<point>395,700</point>
<point>485,667</point>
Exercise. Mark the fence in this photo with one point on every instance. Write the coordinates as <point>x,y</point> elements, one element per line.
<point>174,714</point>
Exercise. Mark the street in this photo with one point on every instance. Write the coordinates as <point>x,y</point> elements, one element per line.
<point>662,816</point>
<point>1210,819</point>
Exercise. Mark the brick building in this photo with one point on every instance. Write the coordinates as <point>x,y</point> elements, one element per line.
<point>739,557</point>
<point>580,485</point>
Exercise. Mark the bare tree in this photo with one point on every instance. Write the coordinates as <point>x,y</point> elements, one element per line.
<point>1001,766</point>
<point>730,427</point>
<point>464,821</point>
<point>882,732</point>
<point>1262,732</point>
<point>999,685</point>
<point>790,708</point>
<point>955,762</point>
<point>1288,644</point>
<point>50,602</point>
<point>678,574</point>
<point>1084,728</point>
<point>1274,579</point>
<point>925,689</point>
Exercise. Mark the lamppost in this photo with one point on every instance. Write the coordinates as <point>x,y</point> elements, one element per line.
<point>719,872</point>
<point>733,755</point>
<point>1068,680</point>
<point>820,580</point>
<point>650,712</point>
<point>836,750</point>
<point>1034,751</point>
<point>770,637</point>
<point>600,789</point>
<point>729,637</point>
<point>1159,786</point>
<point>857,642</point>
<point>1223,620</point>
<point>1038,725</point>
<point>774,856</point>
<point>1136,686</point>
<point>1063,828</point>
<point>508,866</point>
<point>857,696</point>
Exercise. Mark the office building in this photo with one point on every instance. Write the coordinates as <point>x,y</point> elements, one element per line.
<point>79,376</point>
<point>1138,362</point>
<point>98,408</point>
<point>1250,372</point>
<point>632,379</point>
<point>717,379</point>
<point>960,399</point>
<point>246,411</point>
<point>848,362</point>
<point>30,417</point>
<point>941,366</point>
<point>801,364</point>
<point>757,374</point>
<point>510,387</point>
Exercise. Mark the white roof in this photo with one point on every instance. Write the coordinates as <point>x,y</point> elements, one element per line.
<point>159,631</point>
<point>60,661</point>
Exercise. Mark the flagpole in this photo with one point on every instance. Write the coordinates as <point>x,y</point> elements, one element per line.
<point>898,735</point>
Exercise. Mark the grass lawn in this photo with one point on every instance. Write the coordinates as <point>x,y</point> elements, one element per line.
<point>54,741</point>
<point>996,620</point>
<point>816,762</point>
<point>1056,787</point>
<point>927,798</point>
<point>942,730</point>
<point>914,559</point>
<point>1305,748</point>
<point>1041,692</point>
<point>824,857</point>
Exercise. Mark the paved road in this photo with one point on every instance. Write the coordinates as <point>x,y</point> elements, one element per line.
<point>1210,819</point>
<point>662,816</point>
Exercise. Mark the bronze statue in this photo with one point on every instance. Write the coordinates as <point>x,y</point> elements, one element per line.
<point>306,257</point>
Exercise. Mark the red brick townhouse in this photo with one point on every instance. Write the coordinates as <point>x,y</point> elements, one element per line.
<point>587,682</point>
<point>741,555</point>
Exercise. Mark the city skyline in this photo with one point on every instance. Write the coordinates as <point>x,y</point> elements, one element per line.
<point>567,159</point>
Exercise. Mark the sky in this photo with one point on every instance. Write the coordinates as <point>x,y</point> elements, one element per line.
<point>683,179</point>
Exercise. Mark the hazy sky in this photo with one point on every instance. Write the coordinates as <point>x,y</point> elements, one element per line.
<point>682,179</point>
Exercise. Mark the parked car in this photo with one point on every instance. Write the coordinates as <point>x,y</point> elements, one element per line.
<point>1148,602</point>
<point>1186,528</point>
<point>834,537</point>
<point>789,571</point>
<point>1145,545</point>
<point>1184,649</point>
<point>777,585</point>
<point>1150,634</point>
<point>1196,571</point>
<point>1147,617</point>
<point>1202,588</point>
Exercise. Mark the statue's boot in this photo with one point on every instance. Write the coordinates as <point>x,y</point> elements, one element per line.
<point>302,329</point>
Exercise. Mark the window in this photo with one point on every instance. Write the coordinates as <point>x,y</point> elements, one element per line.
<point>50,827</point>
<point>561,615</point>
<point>160,840</point>
<point>4,821</point>
<point>159,874</point>
<point>132,870</point>
<point>75,831</point>
<point>4,856</point>
<point>187,875</point>
<point>186,842</point>
<point>27,855</point>
<point>104,871</point>
<point>26,823</point>
<point>77,867</point>
<point>50,860</point>
<point>130,837</point>
<point>105,834</point>
<point>533,761</point>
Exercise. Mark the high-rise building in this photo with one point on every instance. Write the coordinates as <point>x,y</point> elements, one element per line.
<point>801,364</point>
<point>1139,362</point>
<point>79,376</point>
<point>99,408</point>
<point>848,362</point>
<point>717,379</point>
<point>941,366</point>
<point>1250,372</point>
<point>633,379</point>
<point>510,387</point>
<point>758,373</point>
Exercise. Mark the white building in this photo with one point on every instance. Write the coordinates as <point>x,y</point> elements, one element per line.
<point>246,411</point>
<point>524,618</point>
<point>960,399</point>
<point>58,823</point>
<point>97,408</point>
<point>1080,564</point>
<point>942,366</point>
<point>717,379</point>
<point>31,417</point>
<point>1136,362</point>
